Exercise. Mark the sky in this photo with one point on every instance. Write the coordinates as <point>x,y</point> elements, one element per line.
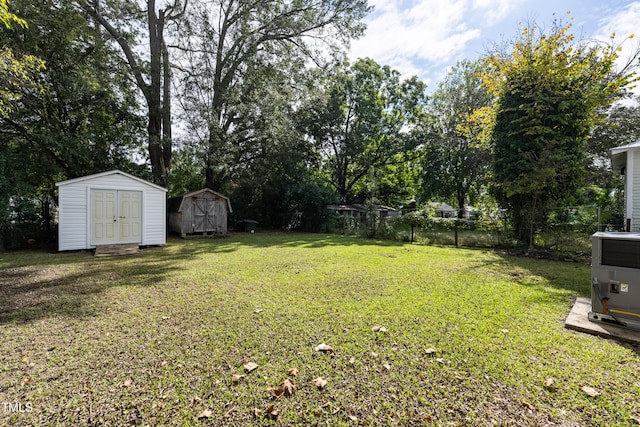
<point>427,37</point>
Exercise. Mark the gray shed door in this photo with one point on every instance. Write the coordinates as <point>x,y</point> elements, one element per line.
<point>204,215</point>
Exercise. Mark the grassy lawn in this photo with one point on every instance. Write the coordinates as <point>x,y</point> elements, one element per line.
<point>468,338</point>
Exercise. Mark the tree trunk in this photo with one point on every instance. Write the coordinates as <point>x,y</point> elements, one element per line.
<point>154,97</point>
<point>167,144</point>
<point>214,174</point>
<point>159,111</point>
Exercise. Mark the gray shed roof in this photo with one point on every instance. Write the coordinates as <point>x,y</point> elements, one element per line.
<point>113,172</point>
<point>175,203</point>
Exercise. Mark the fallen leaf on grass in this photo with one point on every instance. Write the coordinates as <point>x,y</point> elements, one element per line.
<point>636,418</point>
<point>272,412</point>
<point>387,366</point>
<point>293,372</point>
<point>258,310</point>
<point>250,366</point>
<point>549,382</point>
<point>379,328</point>
<point>207,413</point>
<point>352,360</point>
<point>286,389</point>
<point>527,405</point>
<point>320,382</point>
<point>236,378</point>
<point>504,331</point>
<point>127,383</point>
<point>374,355</point>
<point>430,351</point>
<point>590,391</point>
<point>324,348</point>
<point>352,417</point>
<point>257,412</point>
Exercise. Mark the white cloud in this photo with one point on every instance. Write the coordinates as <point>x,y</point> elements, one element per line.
<point>414,35</point>
<point>623,24</point>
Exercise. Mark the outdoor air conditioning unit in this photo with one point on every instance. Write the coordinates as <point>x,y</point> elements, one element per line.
<point>615,279</point>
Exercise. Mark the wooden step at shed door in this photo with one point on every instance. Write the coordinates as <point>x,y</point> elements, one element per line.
<point>110,250</point>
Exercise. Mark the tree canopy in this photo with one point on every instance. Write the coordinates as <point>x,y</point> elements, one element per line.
<point>549,90</point>
<point>361,119</point>
<point>248,45</point>
<point>269,112</point>
<point>455,162</point>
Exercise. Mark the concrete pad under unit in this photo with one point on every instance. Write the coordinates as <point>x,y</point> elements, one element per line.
<point>578,320</point>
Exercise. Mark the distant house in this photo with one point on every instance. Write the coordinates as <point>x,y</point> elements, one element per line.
<point>444,210</point>
<point>409,207</point>
<point>110,208</point>
<point>626,161</point>
<point>199,212</point>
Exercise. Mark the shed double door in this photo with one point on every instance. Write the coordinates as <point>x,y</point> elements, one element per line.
<point>116,217</point>
<point>204,215</point>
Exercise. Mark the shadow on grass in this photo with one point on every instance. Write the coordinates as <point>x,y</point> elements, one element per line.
<point>282,240</point>
<point>568,276</point>
<point>36,285</point>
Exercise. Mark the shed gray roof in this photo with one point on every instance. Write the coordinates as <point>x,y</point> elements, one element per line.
<point>175,203</point>
<point>113,172</point>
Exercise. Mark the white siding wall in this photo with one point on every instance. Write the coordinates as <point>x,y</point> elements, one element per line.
<point>154,217</point>
<point>74,214</point>
<point>72,218</point>
<point>634,202</point>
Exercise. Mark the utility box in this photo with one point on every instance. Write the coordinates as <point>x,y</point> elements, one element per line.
<point>615,279</point>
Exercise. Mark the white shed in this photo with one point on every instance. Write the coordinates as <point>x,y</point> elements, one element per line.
<point>110,208</point>
<point>626,160</point>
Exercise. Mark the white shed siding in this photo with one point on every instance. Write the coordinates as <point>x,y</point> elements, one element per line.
<point>154,218</point>
<point>72,222</point>
<point>74,208</point>
<point>634,201</point>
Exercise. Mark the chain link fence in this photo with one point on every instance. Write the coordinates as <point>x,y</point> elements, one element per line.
<point>566,233</point>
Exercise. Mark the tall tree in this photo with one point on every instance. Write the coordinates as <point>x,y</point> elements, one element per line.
<point>620,126</point>
<point>456,162</point>
<point>8,18</point>
<point>549,90</point>
<point>122,21</point>
<point>230,48</point>
<point>85,121</point>
<point>17,72</point>
<point>362,120</point>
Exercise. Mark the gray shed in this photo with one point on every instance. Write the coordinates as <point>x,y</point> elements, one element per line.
<point>199,212</point>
